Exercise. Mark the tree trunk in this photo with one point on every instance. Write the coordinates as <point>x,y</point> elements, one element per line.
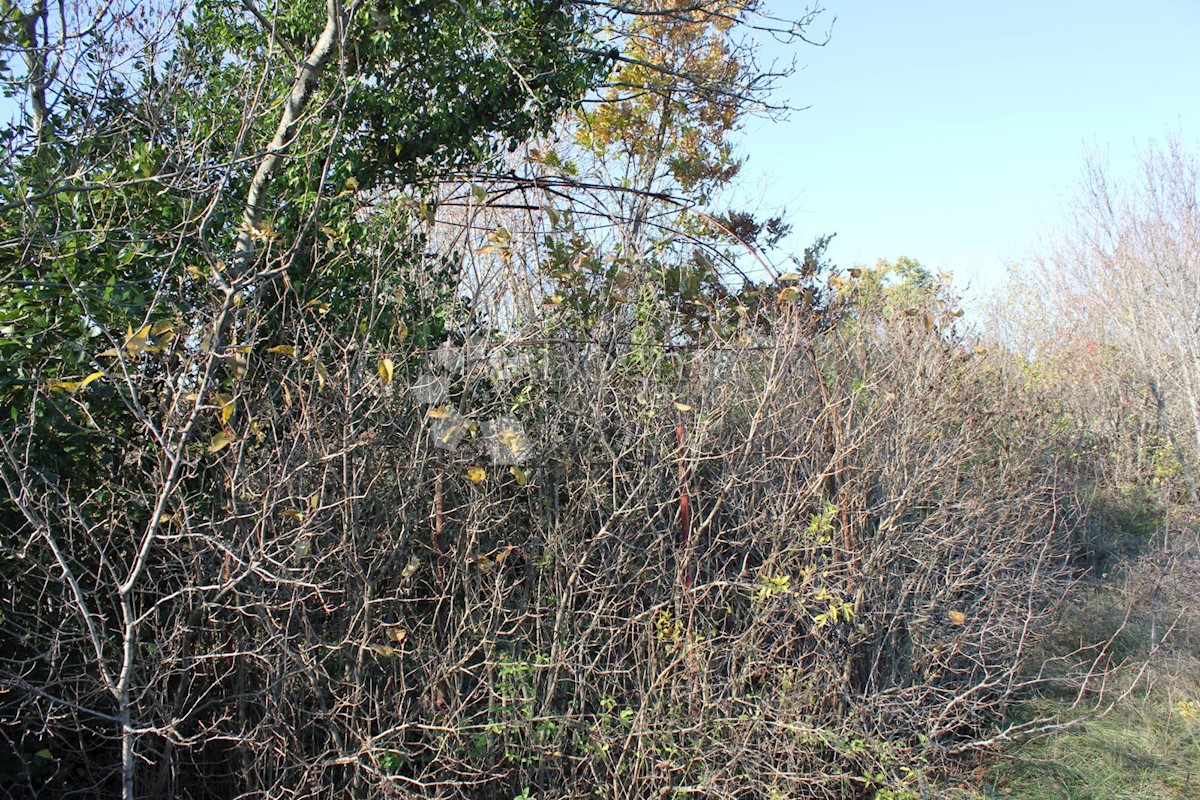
<point>306,78</point>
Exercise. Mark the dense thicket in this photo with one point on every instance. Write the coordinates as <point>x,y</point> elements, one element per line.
<point>385,415</point>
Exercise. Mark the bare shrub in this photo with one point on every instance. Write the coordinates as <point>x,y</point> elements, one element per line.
<point>1109,307</point>
<point>809,563</point>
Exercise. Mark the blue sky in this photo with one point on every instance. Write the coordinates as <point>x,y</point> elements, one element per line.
<point>956,132</point>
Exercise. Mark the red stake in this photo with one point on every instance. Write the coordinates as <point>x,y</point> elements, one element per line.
<point>685,516</point>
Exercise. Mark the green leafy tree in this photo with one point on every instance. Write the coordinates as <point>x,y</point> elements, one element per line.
<point>189,200</point>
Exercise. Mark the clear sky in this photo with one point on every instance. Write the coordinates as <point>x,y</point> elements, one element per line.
<point>955,131</point>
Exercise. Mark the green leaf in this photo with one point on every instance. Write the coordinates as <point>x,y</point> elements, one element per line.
<point>220,442</point>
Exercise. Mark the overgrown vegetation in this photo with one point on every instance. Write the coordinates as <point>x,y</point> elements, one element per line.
<point>392,409</point>
<point>1098,324</point>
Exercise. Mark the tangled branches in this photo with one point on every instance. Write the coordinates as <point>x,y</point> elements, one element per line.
<point>809,567</point>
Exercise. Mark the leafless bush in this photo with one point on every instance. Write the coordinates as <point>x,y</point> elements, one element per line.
<point>347,517</point>
<point>809,564</point>
<point>1109,306</point>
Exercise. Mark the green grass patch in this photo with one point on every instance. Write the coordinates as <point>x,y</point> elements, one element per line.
<point>1147,748</point>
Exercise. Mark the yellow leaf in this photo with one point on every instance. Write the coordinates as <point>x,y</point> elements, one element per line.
<point>110,352</point>
<point>287,397</point>
<point>788,293</point>
<point>314,501</point>
<point>83,383</point>
<point>302,547</point>
<point>503,554</point>
<point>789,277</point>
<point>163,343</point>
<point>220,441</point>
<point>283,350</point>
<point>397,635</point>
<point>386,369</point>
<point>476,474</point>
<point>520,474</point>
<point>292,514</point>
<point>410,568</point>
<point>512,439</point>
<point>682,408</point>
<point>958,617</point>
<point>227,406</point>
<point>139,342</point>
<point>352,183</point>
<point>438,413</point>
<point>165,518</point>
<point>67,386</point>
<point>449,434</point>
